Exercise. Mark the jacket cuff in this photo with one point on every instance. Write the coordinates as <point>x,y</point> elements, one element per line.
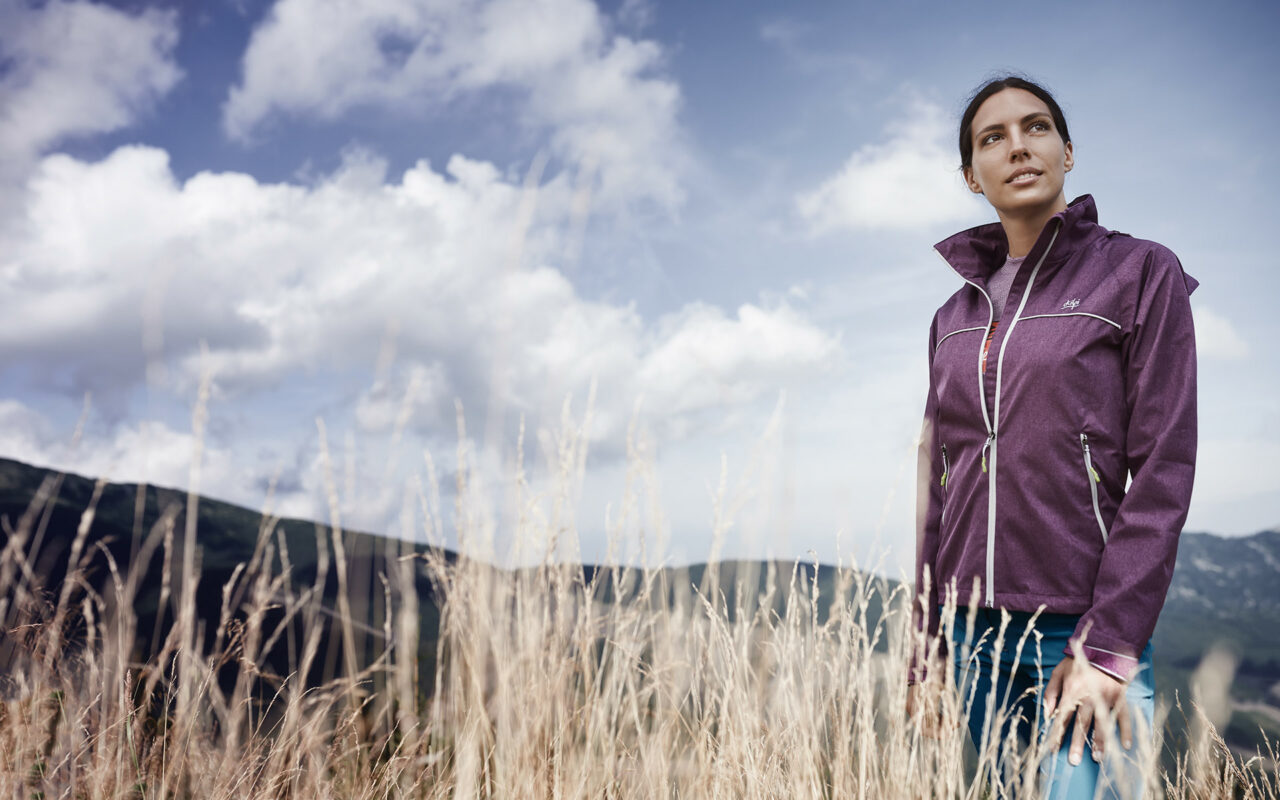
<point>1117,665</point>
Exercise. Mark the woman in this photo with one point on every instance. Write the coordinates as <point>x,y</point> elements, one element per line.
<point>1063,366</point>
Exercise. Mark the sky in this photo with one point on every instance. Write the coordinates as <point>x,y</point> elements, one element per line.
<point>376,263</point>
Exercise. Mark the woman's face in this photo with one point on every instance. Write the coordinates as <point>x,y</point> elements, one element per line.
<point>1019,159</point>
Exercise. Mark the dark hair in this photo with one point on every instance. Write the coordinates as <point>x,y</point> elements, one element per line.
<point>997,85</point>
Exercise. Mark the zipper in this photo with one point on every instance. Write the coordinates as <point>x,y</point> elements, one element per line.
<point>946,473</point>
<point>946,470</point>
<point>993,428</point>
<point>986,421</point>
<point>1091,475</point>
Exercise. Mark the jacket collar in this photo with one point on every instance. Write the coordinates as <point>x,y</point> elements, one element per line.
<point>977,252</point>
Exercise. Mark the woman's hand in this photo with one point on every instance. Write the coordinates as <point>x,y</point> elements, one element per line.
<point>1084,692</point>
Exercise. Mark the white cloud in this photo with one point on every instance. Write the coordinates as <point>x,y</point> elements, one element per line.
<point>703,356</point>
<point>283,281</point>
<point>1230,469</point>
<point>22,430</point>
<point>1236,491</point>
<point>78,68</point>
<point>393,401</point>
<point>251,472</point>
<point>910,181</point>
<point>128,453</point>
<point>1217,337</point>
<point>601,96</point>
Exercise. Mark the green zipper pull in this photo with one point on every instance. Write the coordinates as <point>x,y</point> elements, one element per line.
<point>990,438</point>
<point>946,468</point>
<point>1084,442</point>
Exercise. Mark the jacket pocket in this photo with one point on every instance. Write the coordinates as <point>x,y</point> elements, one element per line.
<point>1092,478</point>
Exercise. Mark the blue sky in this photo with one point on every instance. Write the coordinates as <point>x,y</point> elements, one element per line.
<point>722,213</point>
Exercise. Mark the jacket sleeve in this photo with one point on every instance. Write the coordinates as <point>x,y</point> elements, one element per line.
<point>1159,356</point>
<point>924,608</point>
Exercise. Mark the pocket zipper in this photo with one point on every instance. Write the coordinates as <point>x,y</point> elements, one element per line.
<point>946,473</point>
<point>1091,475</point>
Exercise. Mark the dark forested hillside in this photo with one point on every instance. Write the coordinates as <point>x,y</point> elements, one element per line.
<point>142,532</point>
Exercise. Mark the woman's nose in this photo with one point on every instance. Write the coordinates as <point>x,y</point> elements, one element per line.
<point>1017,146</point>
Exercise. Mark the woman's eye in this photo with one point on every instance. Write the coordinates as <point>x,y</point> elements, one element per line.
<point>1040,126</point>
<point>990,137</point>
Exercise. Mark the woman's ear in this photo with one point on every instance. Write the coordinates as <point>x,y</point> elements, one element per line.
<point>974,186</point>
<point>1070,160</point>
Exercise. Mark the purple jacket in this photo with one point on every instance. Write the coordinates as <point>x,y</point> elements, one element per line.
<point>1090,379</point>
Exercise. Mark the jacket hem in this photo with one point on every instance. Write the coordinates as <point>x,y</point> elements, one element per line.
<point>1053,604</point>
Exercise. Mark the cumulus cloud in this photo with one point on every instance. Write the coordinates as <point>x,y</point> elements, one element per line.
<point>140,451</point>
<point>602,97</point>
<point>281,477</point>
<point>705,359</point>
<point>909,181</point>
<point>1217,337</point>
<point>282,280</point>
<point>78,68</point>
<point>22,430</point>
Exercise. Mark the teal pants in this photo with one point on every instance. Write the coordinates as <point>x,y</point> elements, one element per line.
<point>1019,679</point>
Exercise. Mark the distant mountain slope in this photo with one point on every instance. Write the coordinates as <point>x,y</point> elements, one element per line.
<point>226,535</point>
<point>1226,589</point>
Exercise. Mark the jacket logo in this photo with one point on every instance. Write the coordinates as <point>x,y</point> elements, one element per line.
<point>1071,304</point>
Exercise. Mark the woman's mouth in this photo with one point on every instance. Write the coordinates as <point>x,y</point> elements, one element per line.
<point>1023,177</point>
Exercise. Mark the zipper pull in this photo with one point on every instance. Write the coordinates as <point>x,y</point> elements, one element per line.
<point>945,467</point>
<point>1084,442</point>
<point>991,437</point>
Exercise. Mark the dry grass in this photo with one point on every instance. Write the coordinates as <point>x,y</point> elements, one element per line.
<point>548,685</point>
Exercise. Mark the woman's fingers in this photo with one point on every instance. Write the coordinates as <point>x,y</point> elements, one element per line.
<point>1126,724</point>
<point>1101,731</point>
<point>1065,716</point>
<point>1084,721</point>
<point>1054,689</point>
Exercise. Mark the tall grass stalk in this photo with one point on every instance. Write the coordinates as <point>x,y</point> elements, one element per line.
<point>551,681</point>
